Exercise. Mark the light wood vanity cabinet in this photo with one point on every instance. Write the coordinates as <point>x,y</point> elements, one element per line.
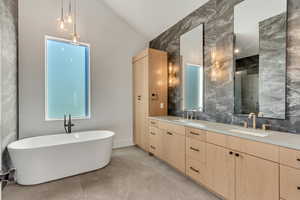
<point>289,183</point>
<point>149,92</point>
<point>290,157</point>
<point>155,141</point>
<point>289,174</point>
<point>167,142</point>
<point>174,149</point>
<point>220,171</point>
<point>196,154</point>
<point>232,167</point>
<point>256,178</point>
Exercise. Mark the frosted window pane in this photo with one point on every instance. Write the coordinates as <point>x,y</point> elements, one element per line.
<point>67,79</point>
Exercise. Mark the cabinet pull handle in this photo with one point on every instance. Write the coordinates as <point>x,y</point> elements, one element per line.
<point>152,133</point>
<point>195,170</point>
<point>194,149</point>
<point>152,147</point>
<point>193,133</point>
<point>169,133</point>
<point>230,153</point>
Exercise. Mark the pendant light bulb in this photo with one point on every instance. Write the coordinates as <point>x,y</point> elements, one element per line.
<point>75,36</point>
<point>61,21</point>
<point>62,24</point>
<point>70,18</point>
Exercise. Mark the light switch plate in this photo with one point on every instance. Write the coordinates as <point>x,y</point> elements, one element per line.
<point>161,105</point>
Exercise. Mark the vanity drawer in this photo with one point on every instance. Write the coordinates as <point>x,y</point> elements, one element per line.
<point>153,123</point>
<point>155,142</point>
<point>217,139</point>
<point>195,149</point>
<point>258,149</point>
<point>289,183</point>
<point>290,157</point>
<point>172,128</point>
<point>153,131</point>
<point>195,170</point>
<point>196,134</point>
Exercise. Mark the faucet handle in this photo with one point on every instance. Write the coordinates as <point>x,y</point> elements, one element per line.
<point>260,114</point>
<point>266,127</point>
<point>251,115</point>
<point>245,124</point>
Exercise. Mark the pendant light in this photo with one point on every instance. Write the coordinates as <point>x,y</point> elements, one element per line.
<point>61,20</point>
<point>69,17</point>
<point>75,36</point>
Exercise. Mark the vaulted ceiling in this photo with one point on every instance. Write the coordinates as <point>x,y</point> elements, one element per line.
<point>152,17</point>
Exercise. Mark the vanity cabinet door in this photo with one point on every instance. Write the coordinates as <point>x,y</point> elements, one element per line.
<point>256,178</point>
<point>220,171</point>
<point>174,149</point>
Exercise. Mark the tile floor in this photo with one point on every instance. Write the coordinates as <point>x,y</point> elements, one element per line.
<point>132,175</point>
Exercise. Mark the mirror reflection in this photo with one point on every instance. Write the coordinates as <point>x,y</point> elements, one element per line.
<point>260,58</point>
<point>191,52</point>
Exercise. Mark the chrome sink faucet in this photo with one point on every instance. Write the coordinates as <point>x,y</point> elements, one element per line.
<point>68,124</point>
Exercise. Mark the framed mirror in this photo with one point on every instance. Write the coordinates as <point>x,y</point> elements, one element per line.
<point>260,29</point>
<point>191,52</point>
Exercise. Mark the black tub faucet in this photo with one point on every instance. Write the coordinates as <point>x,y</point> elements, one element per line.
<point>68,124</point>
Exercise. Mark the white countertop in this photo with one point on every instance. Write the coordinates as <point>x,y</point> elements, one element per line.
<point>282,139</point>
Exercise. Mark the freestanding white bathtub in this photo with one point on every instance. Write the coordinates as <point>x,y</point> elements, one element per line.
<point>46,158</point>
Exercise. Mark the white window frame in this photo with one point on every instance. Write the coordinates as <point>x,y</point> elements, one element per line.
<point>46,78</point>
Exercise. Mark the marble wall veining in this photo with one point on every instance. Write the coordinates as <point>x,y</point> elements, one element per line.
<point>8,74</point>
<point>217,17</point>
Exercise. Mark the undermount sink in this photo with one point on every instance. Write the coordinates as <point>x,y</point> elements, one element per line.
<point>182,120</point>
<point>249,133</point>
<point>190,122</point>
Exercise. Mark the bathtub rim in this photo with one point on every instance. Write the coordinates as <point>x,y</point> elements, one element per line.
<point>13,146</point>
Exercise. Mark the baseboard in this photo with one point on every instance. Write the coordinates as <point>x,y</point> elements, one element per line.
<point>122,143</point>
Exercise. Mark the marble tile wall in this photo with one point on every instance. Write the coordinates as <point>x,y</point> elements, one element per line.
<point>217,17</point>
<point>8,74</point>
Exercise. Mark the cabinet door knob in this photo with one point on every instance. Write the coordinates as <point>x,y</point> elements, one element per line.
<point>298,159</point>
<point>194,149</point>
<point>230,153</point>
<point>195,170</point>
<point>237,155</point>
<point>298,188</point>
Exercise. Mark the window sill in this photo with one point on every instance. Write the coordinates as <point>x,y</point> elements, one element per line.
<point>73,118</point>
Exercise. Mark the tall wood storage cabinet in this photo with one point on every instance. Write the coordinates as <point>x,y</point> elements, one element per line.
<point>150,86</point>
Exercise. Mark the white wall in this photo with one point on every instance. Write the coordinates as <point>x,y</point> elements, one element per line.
<point>113,43</point>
